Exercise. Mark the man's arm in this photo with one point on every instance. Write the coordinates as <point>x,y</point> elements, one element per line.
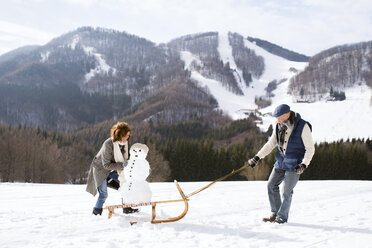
<point>268,147</point>
<point>307,139</point>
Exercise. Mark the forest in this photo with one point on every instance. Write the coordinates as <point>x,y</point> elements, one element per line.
<point>189,151</point>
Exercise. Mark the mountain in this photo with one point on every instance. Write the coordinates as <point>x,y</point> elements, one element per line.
<point>242,58</point>
<point>90,75</point>
<point>334,69</point>
<point>94,74</point>
<point>209,50</point>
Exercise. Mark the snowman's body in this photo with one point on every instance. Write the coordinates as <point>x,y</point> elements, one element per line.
<point>134,189</point>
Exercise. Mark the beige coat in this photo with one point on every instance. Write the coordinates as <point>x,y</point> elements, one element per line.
<point>102,164</point>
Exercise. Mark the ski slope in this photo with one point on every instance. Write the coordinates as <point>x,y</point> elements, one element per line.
<point>228,214</point>
<point>331,121</point>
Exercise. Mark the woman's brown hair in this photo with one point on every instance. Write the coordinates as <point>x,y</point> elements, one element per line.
<point>119,130</point>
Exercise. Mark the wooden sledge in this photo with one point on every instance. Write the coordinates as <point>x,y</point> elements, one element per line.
<point>112,208</point>
<point>184,199</point>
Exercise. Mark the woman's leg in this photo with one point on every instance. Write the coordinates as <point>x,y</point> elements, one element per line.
<point>102,190</point>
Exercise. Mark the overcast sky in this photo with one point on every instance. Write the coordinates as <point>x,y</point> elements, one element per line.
<point>304,26</point>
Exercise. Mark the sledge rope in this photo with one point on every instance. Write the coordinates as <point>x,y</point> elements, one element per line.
<point>217,180</point>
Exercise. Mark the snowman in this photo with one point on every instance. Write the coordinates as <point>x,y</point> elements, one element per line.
<point>133,186</point>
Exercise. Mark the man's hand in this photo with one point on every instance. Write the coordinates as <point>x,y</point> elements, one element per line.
<point>253,161</point>
<point>300,168</point>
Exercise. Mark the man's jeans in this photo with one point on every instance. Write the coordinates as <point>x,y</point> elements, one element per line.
<point>278,207</point>
<point>102,190</point>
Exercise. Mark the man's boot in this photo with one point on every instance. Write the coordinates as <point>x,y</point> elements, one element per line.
<point>270,219</point>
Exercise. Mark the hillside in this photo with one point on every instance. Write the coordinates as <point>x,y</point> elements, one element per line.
<point>91,75</point>
<point>279,51</point>
<point>276,70</point>
<point>335,69</point>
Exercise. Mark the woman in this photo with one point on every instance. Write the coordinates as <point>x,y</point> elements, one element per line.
<point>112,157</point>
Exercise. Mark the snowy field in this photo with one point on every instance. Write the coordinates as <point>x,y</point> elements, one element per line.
<point>323,214</point>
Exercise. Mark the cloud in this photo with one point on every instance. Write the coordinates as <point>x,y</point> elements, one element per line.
<point>13,36</point>
<point>306,26</point>
<point>5,37</point>
<point>23,31</point>
<point>85,3</point>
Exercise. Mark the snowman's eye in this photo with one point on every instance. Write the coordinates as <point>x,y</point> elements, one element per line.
<point>140,150</point>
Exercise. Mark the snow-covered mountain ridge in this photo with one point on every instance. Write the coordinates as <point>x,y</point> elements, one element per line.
<point>276,68</point>
<point>90,75</point>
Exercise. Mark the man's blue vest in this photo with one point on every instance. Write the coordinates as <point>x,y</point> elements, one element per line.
<point>295,149</point>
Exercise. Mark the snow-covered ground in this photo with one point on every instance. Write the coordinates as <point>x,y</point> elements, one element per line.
<point>331,121</point>
<point>323,214</point>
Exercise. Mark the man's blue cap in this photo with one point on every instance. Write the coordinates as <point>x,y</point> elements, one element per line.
<point>281,110</point>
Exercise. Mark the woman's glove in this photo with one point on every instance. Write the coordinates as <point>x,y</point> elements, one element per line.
<point>125,164</point>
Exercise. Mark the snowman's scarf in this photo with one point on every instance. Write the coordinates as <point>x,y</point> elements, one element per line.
<point>117,153</point>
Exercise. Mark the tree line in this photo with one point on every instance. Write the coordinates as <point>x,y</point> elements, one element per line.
<point>341,160</point>
<point>40,156</point>
<point>193,160</point>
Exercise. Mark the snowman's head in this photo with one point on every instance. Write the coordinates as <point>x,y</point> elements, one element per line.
<point>138,151</point>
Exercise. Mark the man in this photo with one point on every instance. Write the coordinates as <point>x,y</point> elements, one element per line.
<point>292,136</point>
